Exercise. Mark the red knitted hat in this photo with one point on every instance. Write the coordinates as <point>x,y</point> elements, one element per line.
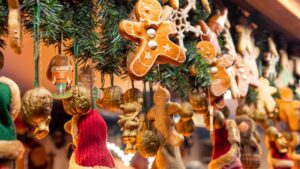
<point>91,150</point>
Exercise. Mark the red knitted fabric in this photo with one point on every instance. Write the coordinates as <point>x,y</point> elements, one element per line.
<point>221,144</point>
<point>278,155</point>
<point>91,150</point>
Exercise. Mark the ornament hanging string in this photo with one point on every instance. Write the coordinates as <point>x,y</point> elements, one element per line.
<point>36,39</point>
<point>145,103</point>
<point>76,52</point>
<point>151,92</point>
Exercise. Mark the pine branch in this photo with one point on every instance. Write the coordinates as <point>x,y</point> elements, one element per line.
<point>3,22</point>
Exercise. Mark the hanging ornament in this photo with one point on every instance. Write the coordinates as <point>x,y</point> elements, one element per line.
<point>14,25</point>
<point>242,72</point>
<point>161,114</point>
<point>130,124</point>
<point>230,50</point>
<point>206,6</point>
<point>265,104</point>
<point>79,103</point>
<point>250,148</point>
<point>148,142</point>
<point>173,3</point>
<point>185,125</point>
<point>288,109</point>
<point>278,149</point>
<point>272,58</point>
<point>60,73</point>
<point>226,142</point>
<point>247,49</point>
<point>285,76</point>
<point>132,95</point>
<point>37,106</point>
<point>198,100</point>
<point>180,18</point>
<point>10,104</point>
<point>1,60</point>
<point>155,46</point>
<point>112,99</point>
<point>293,139</point>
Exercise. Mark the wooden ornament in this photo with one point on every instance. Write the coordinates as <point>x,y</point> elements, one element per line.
<point>168,157</point>
<point>286,76</point>
<point>180,18</point>
<point>198,101</point>
<point>186,125</point>
<point>271,58</point>
<point>266,104</point>
<point>288,109</point>
<point>246,47</point>
<point>206,6</point>
<point>60,73</point>
<point>14,25</point>
<point>112,99</point>
<point>250,148</point>
<point>37,105</point>
<point>152,36</point>
<point>130,124</point>
<point>162,116</point>
<point>80,101</point>
<point>214,28</point>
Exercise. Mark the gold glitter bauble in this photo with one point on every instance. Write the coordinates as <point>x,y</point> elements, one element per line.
<point>37,105</point>
<point>198,101</point>
<point>80,101</point>
<point>132,95</point>
<point>148,142</point>
<point>112,99</point>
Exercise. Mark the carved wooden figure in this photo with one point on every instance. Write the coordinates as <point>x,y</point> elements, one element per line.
<point>14,25</point>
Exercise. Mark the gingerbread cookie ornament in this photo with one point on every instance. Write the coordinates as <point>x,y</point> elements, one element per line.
<point>286,76</point>
<point>242,72</point>
<point>265,102</point>
<point>249,52</point>
<point>288,109</point>
<point>272,58</point>
<point>173,3</point>
<point>152,36</point>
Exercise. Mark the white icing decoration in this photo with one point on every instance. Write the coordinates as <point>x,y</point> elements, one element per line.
<point>148,56</point>
<point>151,33</point>
<point>152,44</point>
<point>213,70</point>
<point>167,48</point>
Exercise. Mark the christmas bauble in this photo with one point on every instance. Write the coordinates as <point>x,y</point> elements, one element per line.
<point>198,101</point>
<point>132,95</point>
<point>112,99</point>
<point>148,142</point>
<point>1,60</point>
<point>185,128</point>
<point>37,105</point>
<point>80,101</point>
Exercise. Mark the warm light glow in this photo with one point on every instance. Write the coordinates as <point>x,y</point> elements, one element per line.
<point>125,158</point>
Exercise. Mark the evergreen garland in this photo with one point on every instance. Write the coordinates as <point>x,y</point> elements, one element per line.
<point>3,22</point>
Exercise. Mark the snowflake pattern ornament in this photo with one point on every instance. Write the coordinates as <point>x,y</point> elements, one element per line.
<point>180,17</point>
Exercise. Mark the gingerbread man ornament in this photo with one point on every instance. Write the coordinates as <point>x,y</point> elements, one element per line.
<point>265,102</point>
<point>152,36</point>
<point>272,58</point>
<point>286,76</point>
<point>242,72</point>
<point>288,108</point>
<point>246,47</point>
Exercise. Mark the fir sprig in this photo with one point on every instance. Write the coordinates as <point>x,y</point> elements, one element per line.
<point>3,22</point>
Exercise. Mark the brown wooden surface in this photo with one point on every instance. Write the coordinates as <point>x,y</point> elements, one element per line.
<point>283,15</point>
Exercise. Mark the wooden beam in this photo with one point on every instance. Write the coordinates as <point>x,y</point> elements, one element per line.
<point>285,14</point>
